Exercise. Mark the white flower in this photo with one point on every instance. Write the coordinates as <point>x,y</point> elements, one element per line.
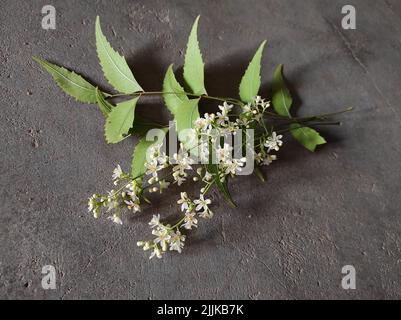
<point>204,152</point>
<point>133,188</point>
<point>207,214</point>
<point>259,101</point>
<point>163,160</point>
<point>116,219</point>
<point>146,246</point>
<point>96,213</point>
<point>183,162</point>
<point>152,168</point>
<point>117,172</point>
<point>226,108</point>
<point>234,166</point>
<point>274,142</point>
<point>202,203</point>
<point>154,151</point>
<point>156,252</point>
<point>180,179</point>
<point>258,157</point>
<point>201,124</point>
<point>155,222</point>
<point>209,117</point>
<point>207,177</point>
<point>177,241</point>
<point>224,154</point>
<point>269,159</point>
<point>258,117</point>
<point>243,122</point>
<point>111,203</point>
<point>247,108</point>
<point>199,171</point>
<point>184,201</point>
<point>133,196</point>
<point>92,203</point>
<point>222,116</point>
<point>190,220</point>
<point>163,237</point>
<point>134,206</point>
<point>156,154</point>
<point>153,180</point>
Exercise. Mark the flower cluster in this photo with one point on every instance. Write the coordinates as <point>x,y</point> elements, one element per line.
<point>170,237</point>
<point>128,196</point>
<point>162,170</point>
<point>167,237</point>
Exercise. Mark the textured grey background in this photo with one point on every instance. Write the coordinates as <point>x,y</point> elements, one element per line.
<point>289,238</point>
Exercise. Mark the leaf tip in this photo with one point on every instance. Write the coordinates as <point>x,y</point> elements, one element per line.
<point>262,45</point>
<point>98,28</point>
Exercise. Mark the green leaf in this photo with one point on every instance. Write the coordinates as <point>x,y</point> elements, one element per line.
<point>282,102</point>
<point>120,120</point>
<point>114,66</point>
<point>222,186</point>
<point>170,84</point>
<point>193,65</point>
<point>140,151</point>
<point>281,98</point>
<point>308,137</point>
<point>250,83</point>
<point>70,82</point>
<point>104,105</point>
<point>186,114</point>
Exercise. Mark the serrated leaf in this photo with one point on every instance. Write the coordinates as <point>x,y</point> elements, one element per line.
<point>120,120</point>
<point>185,116</point>
<point>308,137</point>
<point>115,68</point>
<point>193,64</point>
<point>140,151</point>
<point>281,97</point>
<point>104,105</point>
<point>250,82</point>
<point>175,94</point>
<point>70,82</point>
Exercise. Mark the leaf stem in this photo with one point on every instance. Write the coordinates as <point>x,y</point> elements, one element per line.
<point>160,93</point>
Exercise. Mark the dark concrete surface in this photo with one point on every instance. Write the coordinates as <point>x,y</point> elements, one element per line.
<point>289,238</point>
